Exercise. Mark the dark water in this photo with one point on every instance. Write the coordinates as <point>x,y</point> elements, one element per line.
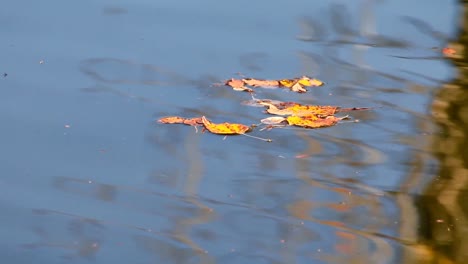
<point>88,176</point>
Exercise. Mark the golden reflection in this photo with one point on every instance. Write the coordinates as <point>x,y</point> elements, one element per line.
<point>438,225</point>
<point>184,226</point>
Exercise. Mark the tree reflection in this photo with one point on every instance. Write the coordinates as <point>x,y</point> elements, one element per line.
<point>444,204</point>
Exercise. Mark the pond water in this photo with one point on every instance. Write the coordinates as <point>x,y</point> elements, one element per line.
<point>89,176</point>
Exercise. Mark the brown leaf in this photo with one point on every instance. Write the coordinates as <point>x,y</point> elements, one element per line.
<point>260,83</point>
<point>171,120</point>
<point>196,121</point>
<point>237,85</point>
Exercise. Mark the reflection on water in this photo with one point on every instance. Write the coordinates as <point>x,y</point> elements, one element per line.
<point>387,189</point>
<point>444,205</point>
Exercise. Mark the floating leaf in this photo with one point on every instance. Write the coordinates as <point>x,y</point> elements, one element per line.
<point>274,120</point>
<point>308,82</point>
<point>224,128</point>
<point>322,110</point>
<point>312,121</point>
<point>296,84</point>
<point>301,110</point>
<point>261,83</point>
<point>259,102</point>
<point>237,85</point>
<point>298,88</point>
<point>172,120</point>
<point>196,121</point>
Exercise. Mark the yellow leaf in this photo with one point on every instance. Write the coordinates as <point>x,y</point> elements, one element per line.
<point>298,84</point>
<point>287,82</point>
<point>306,81</point>
<point>303,110</point>
<point>312,121</point>
<point>224,128</point>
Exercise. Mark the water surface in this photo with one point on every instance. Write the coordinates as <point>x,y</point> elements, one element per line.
<point>89,176</point>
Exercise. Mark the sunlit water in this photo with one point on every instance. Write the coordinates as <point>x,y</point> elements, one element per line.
<point>88,175</point>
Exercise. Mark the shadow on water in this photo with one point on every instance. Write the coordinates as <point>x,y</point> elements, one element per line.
<point>390,188</point>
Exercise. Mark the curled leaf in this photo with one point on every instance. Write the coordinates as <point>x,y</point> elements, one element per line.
<point>237,85</point>
<point>308,82</point>
<point>196,121</point>
<point>224,128</point>
<point>274,120</point>
<point>261,83</point>
<point>298,88</point>
<point>171,120</point>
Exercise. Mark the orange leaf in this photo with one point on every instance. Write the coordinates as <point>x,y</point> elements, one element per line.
<point>172,120</point>
<point>224,128</point>
<point>237,85</point>
<point>196,121</point>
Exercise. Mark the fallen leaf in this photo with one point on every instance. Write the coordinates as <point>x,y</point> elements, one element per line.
<point>312,121</point>
<point>237,85</point>
<point>298,88</point>
<point>196,121</point>
<point>301,110</point>
<point>259,102</point>
<point>321,110</point>
<point>274,120</point>
<point>261,83</point>
<point>308,82</point>
<point>172,120</point>
<point>298,84</point>
<point>272,109</point>
<point>224,128</point>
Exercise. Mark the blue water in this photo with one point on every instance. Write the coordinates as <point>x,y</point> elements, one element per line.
<point>89,176</point>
